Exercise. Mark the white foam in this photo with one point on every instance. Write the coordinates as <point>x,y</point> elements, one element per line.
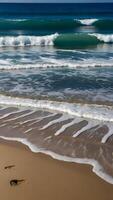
<point>27,131</point>
<point>41,118</point>
<point>16,20</point>
<point>93,113</point>
<point>88,111</point>
<point>87,22</point>
<point>85,128</point>
<point>65,126</point>
<point>3,125</point>
<point>22,40</point>
<point>11,113</point>
<point>57,63</point>
<point>20,116</point>
<point>4,62</point>
<point>97,168</point>
<point>60,119</point>
<point>110,133</point>
<point>107,38</point>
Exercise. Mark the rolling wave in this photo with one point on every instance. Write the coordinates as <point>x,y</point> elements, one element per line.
<point>37,24</point>
<point>68,41</point>
<point>104,24</point>
<point>55,24</point>
<point>82,40</point>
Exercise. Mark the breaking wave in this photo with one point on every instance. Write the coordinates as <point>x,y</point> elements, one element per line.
<point>81,40</point>
<point>101,24</point>
<point>87,22</point>
<point>16,41</point>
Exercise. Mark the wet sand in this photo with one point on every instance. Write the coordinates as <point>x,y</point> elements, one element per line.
<point>46,178</point>
<point>62,134</point>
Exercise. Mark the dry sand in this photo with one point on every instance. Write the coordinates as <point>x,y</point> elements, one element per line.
<point>46,178</point>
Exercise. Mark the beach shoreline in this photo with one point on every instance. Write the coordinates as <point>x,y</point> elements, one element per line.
<point>56,101</point>
<point>47,178</point>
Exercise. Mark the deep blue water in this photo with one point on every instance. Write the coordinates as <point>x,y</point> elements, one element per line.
<point>56,8</point>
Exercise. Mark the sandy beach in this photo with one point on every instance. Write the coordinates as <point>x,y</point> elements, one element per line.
<point>46,178</point>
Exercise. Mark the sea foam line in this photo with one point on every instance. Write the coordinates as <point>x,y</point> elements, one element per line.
<point>97,168</point>
<point>87,111</point>
<point>60,63</point>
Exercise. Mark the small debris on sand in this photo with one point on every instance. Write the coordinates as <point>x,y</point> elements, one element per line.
<point>15,182</point>
<point>9,166</point>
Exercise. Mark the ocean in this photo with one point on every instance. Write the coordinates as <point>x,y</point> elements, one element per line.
<point>56,81</point>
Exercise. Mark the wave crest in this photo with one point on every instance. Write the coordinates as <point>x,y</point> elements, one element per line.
<point>65,41</point>
<point>87,22</point>
<point>104,38</point>
<point>21,41</point>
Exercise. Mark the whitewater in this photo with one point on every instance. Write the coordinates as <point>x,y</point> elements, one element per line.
<point>54,40</point>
